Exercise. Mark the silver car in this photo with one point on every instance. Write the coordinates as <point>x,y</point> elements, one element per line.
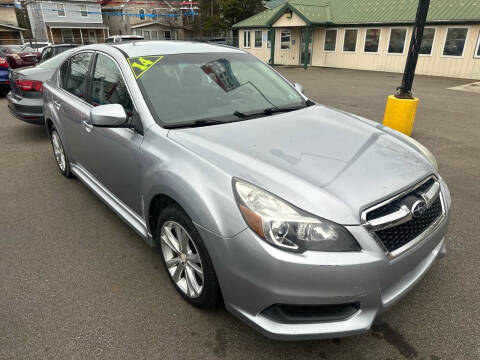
<point>304,221</point>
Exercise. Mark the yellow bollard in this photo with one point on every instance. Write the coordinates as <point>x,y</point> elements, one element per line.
<point>400,114</point>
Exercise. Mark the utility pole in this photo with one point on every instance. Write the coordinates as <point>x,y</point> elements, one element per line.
<point>402,107</point>
<point>405,90</point>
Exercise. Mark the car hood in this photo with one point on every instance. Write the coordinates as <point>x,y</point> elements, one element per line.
<point>324,161</point>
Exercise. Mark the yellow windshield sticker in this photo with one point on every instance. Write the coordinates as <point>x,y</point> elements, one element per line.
<point>142,64</point>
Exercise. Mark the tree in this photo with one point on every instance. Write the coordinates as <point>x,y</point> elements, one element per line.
<point>219,16</point>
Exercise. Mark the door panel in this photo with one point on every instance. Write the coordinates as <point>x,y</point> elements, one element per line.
<point>69,102</point>
<point>112,154</point>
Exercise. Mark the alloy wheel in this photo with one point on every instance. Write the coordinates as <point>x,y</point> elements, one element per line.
<point>58,151</point>
<point>182,259</point>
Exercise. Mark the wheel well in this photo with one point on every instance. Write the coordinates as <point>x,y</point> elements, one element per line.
<point>158,203</point>
<point>49,124</point>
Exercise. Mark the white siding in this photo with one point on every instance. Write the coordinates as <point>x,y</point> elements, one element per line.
<point>467,67</point>
<point>262,53</point>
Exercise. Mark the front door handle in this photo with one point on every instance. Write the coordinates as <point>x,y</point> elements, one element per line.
<point>88,127</point>
<point>57,105</point>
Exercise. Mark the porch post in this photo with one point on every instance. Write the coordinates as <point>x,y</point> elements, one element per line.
<point>81,36</point>
<point>307,41</point>
<point>272,46</point>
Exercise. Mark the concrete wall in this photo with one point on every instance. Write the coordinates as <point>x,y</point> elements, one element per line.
<point>467,66</point>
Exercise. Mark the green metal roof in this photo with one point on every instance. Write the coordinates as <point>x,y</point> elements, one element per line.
<point>345,12</point>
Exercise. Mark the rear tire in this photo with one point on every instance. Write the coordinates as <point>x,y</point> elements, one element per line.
<point>59,153</point>
<point>186,259</point>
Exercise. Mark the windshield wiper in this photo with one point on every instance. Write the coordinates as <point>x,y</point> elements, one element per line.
<point>196,123</point>
<point>267,111</point>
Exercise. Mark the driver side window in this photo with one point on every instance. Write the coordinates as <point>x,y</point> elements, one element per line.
<point>73,75</point>
<point>108,86</point>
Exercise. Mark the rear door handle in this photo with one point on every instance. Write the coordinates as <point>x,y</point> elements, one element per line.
<point>88,127</point>
<point>57,105</point>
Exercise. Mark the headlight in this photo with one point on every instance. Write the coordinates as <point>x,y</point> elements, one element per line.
<point>287,227</point>
<point>420,148</point>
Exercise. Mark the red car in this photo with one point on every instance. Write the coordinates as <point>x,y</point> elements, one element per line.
<point>19,55</point>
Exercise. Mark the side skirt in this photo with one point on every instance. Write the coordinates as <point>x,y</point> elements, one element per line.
<point>136,222</point>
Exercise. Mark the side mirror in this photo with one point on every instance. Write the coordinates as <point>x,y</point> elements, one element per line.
<point>299,88</point>
<point>110,115</point>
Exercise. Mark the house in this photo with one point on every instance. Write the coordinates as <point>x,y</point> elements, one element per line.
<point>366,35</point>
<point>70,21</point>
<point>10,32</point>
<point>150,19</point>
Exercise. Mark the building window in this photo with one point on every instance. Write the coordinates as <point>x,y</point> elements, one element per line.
<point>154,34</point>
<point>154,14</point>
<point>83,10</point>
<point>67,36</point>
<point>92,36</point>
<point>146,34</point>
<point>246,39</point>
<point>285,36</point>
<point>427,41</point>
<point>167,35</point>
<point>350,40</point>
<point>477,53</point>
<point>258,39</point>
<point>455,42</point>
<point>141,14</point>
<point>396,45</point>
<point>37,10</point>
<point>60,9</point>
<point>330,40</point>
<point>372,39</point>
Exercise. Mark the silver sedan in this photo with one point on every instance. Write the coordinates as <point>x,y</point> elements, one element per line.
<point>304,221</point>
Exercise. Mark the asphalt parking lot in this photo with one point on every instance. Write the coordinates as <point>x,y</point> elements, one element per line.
<point>76,282</point>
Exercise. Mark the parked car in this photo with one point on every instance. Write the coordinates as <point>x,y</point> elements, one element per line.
<point>306,221</point>
<point>37,45</point>
<point>4,68</point>
<point>120,38</point>
<point>53,50</point>
<point>25,100</point>
<point>19,55</point>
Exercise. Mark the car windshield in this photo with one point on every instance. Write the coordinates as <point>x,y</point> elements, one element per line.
<point>184,88</point>
<point>55,61</point>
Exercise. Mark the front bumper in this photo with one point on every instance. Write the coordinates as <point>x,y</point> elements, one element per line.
<point>28,110</point>
<point>254,276</point>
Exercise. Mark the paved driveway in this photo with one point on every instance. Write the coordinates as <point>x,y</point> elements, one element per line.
<point>76,282</point>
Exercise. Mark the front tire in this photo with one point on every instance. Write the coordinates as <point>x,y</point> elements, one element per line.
<point>186,259</point>
<point>59,153</point>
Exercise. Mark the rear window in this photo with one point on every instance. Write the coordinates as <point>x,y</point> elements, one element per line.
<point>55,61</point>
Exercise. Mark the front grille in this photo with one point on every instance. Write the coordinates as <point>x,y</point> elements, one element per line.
<point>399,221</point>
<point>395,237</point>
<point>384,210</point>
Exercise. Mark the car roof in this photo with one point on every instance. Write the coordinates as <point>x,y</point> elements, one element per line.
<point>63,45</point>
<point>168,47</point>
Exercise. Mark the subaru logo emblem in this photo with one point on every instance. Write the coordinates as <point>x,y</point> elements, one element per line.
<point>419,208</point>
